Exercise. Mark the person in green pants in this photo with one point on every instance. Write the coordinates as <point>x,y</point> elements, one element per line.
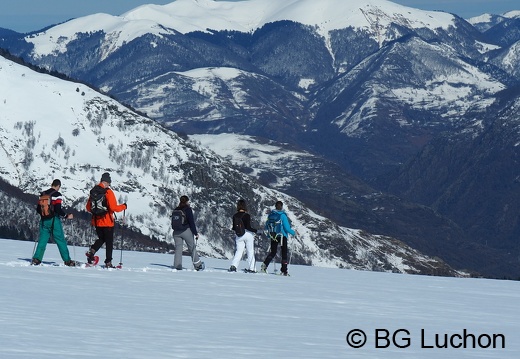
<point>50,224</point>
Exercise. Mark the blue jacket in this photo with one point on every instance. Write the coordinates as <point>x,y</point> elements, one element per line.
<point>286,226</point>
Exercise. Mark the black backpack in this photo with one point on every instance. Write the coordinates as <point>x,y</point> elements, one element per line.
<point>179,220</point>
<point>238,224</point>
<point>98,201</point>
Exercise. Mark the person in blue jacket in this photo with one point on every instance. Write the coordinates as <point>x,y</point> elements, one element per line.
<point>278,235</point>
<point>189,234</point>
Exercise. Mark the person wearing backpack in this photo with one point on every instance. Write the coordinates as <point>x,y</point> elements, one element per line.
<point>277,227</point>
<point>184,230</point>
<point>244,238</point>
<point>102,204</point>
<point>50,210</point>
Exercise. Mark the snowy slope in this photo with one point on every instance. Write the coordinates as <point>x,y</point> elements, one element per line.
<point>72,132</point>
<point>203,15</point>
<point>146,310</point>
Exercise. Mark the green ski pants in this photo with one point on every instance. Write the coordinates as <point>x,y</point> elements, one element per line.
<point>52,227</point>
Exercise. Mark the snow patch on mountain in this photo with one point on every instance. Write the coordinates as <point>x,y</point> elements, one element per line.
<point>244,150</point>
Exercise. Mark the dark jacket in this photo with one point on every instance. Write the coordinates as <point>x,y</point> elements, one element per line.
<point>56,200</point>
<point>190,220</point>
<point>246,219</point>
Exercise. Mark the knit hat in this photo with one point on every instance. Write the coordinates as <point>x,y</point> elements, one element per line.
<point>106,178</point>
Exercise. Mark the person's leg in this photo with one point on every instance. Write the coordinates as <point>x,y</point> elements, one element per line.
<point>100,241</point>
<point>109,243</point>
<point>43,239</point>
<point>192,248</point>
<point>272,253</point>
<point>61,242</point>
<point>250,249</point>
<point>177,257</point>
<point>241,244</point>
<point>284,255</point>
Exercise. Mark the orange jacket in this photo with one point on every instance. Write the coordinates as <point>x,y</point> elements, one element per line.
<point>108,219</point>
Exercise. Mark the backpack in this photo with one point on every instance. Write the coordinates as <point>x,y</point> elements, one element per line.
<point>178,219</point>
<point>45,207</point>
<point>273,225</point>
<point>238,224</point>
<point>98,201</point>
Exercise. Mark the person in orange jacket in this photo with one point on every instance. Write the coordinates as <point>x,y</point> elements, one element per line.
<point>103,219</point>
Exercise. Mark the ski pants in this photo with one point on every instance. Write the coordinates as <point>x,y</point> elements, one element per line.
<point>51,227</point>
<point>105,236</point>
<point>179,238</point>
<point>247,242</point>
<point>272,253</point>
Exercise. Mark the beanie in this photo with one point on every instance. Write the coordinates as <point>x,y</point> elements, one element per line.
<point>106,178</point>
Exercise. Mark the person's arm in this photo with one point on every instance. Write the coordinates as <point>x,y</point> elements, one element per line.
<point>247,223</point>
<point>113,206</point>
<point>191,221</point>
<point>286,225</point>
<point>57,199</point>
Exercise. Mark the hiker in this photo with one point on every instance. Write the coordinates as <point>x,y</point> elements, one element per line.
<point>244,238</point>
<point>184,230</point>
<point>277,228</point>
<point>103,218</point>
<point>50,224</point>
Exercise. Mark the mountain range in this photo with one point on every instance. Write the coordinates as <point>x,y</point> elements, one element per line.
<point>398,121</point>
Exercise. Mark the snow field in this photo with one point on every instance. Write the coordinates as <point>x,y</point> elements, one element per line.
<point>148,310</point>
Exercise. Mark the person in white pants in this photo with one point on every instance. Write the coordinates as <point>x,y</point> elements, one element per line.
<point>246,241</point>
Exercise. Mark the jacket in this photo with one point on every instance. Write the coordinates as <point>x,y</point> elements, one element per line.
<point>56,201</point>
<point>190,221</point>
<point>246,219</point>
<point>286,226</point>
<point>107,220</point>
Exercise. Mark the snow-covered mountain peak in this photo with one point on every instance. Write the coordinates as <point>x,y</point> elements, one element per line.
<point>187,16</point>
<point>512,14</point>
<point>252,14</point>
<point>118,29</point>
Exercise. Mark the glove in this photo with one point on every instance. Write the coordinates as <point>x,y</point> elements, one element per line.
<point>125,205</point>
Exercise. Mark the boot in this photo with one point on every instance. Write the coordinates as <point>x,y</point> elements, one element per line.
<point>199,266</point>
<point>35,262</point>
<point>90,256</point>
<point>263,268</point>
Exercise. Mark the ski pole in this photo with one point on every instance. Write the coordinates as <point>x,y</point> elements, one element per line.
<point>122,235</point>
<point>290,249</point>
<point>73,241</point>
<point>36,239</point>
<point>274,258</point>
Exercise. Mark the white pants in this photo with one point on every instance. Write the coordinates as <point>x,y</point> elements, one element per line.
<point>247,241</point>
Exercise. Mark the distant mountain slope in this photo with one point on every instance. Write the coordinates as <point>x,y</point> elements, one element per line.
<point>327,190</point>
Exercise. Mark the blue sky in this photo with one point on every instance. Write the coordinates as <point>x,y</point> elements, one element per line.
<point>30,15</point>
